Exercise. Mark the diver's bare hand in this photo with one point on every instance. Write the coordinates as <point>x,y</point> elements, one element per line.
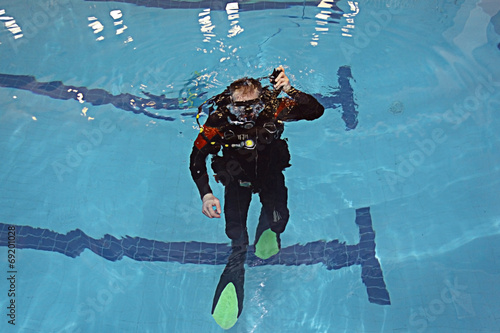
<point>282,81</point>
<point>209,203</point>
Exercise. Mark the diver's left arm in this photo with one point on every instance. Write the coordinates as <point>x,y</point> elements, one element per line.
<point>300,106</point>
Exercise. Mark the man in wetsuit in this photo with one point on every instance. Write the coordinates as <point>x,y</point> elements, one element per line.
<point>247,125</point>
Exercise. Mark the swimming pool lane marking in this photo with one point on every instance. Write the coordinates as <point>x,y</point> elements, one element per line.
<point>214,6</point>
<point>150,103</point>
<point>333,254</point>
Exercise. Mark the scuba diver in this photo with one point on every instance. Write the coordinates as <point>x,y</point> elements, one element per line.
<point>246,121</point>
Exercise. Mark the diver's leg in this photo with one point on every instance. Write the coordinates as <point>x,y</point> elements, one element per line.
<point>236,203</point>
<point>274,216</point>
<point>228,298</point>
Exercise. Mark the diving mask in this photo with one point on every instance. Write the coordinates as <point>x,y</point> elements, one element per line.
<point>247,110</point>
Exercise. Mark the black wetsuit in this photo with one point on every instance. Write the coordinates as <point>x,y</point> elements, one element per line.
<point>252,161</point>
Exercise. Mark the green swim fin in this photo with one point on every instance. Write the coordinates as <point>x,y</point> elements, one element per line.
<point>226,310</point>
<point>229,294</point>
<point>267,246</point>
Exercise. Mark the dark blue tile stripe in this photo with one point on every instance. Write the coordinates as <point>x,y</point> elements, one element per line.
<point>150,104</point>
<point>219,4</point>
<point>333,254</point>
<point>346,97</point>
<point>58,90</point>
<point>371,272</point>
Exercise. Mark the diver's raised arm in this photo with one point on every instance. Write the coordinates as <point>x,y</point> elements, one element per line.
<point>282,81</point>
<point>300,106</point>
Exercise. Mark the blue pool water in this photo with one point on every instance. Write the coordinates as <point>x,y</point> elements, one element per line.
<point>393,192</point>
